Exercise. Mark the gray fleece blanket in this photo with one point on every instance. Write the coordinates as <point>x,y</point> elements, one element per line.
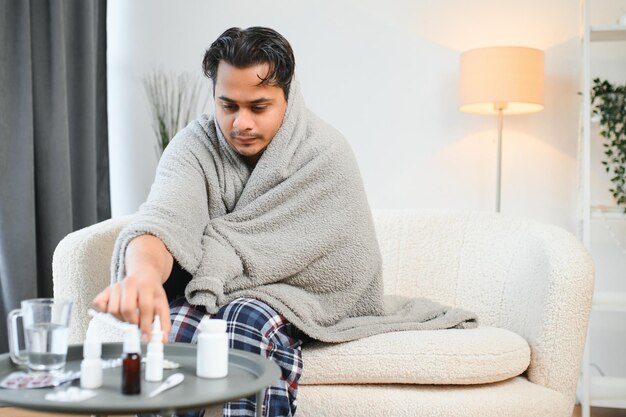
<point>296,232</point>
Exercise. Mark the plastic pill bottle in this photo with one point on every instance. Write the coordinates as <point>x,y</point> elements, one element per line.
<point>212,354</point>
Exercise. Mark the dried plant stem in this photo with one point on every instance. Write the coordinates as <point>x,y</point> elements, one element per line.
<point>174,101</point>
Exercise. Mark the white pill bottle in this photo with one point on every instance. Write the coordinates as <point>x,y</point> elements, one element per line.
<point>212,355</point>
<point>91,366</point>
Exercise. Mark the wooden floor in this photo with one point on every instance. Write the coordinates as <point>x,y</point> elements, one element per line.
<point>14,412</point>
<point>597,412</point>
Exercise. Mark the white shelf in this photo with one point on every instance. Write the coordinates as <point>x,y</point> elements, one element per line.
<point>609,301</point>
<point>609,33</point>
<point>608,212</point>
<point>608,392</point>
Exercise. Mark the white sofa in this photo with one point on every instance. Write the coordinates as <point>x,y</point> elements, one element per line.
<point>530,284</point>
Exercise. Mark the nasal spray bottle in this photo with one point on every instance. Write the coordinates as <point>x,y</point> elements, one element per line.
<point>131,361</point>
<point>154,357</point>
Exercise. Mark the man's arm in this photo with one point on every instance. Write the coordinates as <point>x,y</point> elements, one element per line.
<point>140,295</point>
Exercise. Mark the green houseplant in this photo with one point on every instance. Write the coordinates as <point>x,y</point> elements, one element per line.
<point>609,103</point>
<point>174,100</point>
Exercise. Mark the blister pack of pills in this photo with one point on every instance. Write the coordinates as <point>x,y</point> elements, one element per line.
<point>24,380</point>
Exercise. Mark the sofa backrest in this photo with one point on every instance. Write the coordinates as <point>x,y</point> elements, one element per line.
<point>485,262</point>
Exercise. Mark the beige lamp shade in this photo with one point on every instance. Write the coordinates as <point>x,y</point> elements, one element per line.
<point>507,78</point>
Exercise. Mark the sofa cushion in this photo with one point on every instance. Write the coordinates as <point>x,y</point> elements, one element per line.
<point>453,356</point>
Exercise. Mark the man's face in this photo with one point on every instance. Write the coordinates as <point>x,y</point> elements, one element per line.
<point>249,114</point>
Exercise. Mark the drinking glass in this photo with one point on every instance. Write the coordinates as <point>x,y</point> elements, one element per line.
<point>46,330</point>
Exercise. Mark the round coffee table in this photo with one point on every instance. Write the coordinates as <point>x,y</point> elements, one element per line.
<point>247,374</point>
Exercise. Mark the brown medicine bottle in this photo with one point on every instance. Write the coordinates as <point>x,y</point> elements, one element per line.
<point>131,362</point>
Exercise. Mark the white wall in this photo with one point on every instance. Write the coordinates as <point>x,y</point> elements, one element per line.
<point>385,74</point>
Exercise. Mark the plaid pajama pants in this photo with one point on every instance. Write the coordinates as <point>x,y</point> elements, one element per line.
<point>252,326</point>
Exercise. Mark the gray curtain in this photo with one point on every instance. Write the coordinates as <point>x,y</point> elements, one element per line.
<point>54,175</point>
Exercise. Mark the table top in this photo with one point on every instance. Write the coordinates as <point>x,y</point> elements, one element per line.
<point>247,374</point>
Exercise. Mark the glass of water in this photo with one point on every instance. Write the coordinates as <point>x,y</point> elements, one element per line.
<point>46,330</point>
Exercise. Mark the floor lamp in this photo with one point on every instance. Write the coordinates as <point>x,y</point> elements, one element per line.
<point>501,81</point>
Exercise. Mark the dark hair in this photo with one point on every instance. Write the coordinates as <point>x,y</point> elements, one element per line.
<point>244,48</point>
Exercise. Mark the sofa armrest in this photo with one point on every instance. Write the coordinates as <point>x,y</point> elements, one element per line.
<point>531,278</point>
<point>547,299</point>
<point>81,268</point>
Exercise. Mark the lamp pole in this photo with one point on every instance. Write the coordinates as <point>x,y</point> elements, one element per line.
<point>500,107</point>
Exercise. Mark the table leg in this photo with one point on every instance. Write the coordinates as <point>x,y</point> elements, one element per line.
<point>259,403</point>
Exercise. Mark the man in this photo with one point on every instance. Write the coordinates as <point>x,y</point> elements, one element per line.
<point>250,94</point>
<point>258,216</point>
